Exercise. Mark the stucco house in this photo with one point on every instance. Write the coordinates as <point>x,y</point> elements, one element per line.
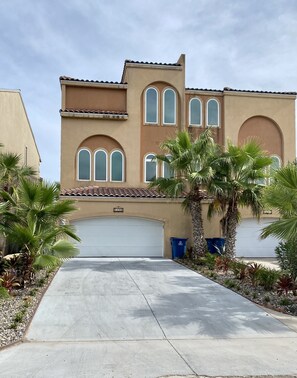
<point>110,131</point>
<point>16,133</point>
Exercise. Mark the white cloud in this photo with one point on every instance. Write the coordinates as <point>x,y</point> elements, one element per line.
<point>247,44</point>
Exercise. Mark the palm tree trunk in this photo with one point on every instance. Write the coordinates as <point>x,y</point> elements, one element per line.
<point>199,243</point>
<point>231,230</point>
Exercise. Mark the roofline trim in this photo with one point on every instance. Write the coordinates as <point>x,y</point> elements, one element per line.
<point>86,83</point>
<point>81,114</point>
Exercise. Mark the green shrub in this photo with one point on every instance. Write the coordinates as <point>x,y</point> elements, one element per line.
<point>4,294</point>
<point>285,302</point>
<point>239,270</point>
<point>267,278</point>
<point>210,260</point>
<point>286,254</point>
<point>229,283</point>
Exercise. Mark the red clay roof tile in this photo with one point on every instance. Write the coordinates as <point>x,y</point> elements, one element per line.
<point>98,191</point>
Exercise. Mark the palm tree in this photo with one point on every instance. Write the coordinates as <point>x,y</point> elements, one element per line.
<point>282,196</point>
<point>190,162</point>
<point>237,182</point>
<point>11,171</point>
<point>35,225</point>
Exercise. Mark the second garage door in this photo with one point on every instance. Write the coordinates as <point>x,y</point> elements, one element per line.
<point>248,242</point>
<point>120,237</point>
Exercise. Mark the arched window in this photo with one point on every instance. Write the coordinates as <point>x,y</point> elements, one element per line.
<point>117,166</point>
<point>276,163</point>
<point>274,166</point>
<point>169,107</point>
<point>84,165</point>
<point>212,113</point>
<point>150,165</point>
<point>195,112</point>
<point>100,165</point>
<point>151,106</point>
<point>168,172</point>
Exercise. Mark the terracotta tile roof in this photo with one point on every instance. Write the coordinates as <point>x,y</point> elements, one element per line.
<point>109,112</point>
<point>204,89</point>
<point>97,191</point>
<point>154,63</point>
<point>89,81</point>
<point>227,89</point>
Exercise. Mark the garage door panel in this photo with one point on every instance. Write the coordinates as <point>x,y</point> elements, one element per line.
<point>248,241</point>
<point>120,237</point>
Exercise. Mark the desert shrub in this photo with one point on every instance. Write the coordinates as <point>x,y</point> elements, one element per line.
<point>267,278</point>
<point>223,263</point>
<point>210,260</point>
<point>239,269</point>
<point>285,284</point>
<point>9,281</point>
<point>229,283</point>
<point>3,265</point>
<point>285,301</point>
<point>253,273</point>
<point>286,254</point>
<point>4,294</point>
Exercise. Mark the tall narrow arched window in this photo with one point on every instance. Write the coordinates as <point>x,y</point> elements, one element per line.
<point>195,112</point>
<point>151,105</point>
<point>150,168</point>
<point>213,113</point>
<point>117,166</point>
<point>276,163</point>
<point>168,171</point>
<point>100,165</point>
<point>274,166</point>
<point>169,107</point>
<point>84,165</point>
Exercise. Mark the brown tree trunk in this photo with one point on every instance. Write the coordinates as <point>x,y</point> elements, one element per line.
<point>199,243</point>
<point>231,229</point>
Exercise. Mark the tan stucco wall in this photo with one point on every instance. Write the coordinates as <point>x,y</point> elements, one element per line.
<point>126,133</point>
<point>74,131</point>
<point>239,107</point>
<point>15,130</point>
<point>90,97</point>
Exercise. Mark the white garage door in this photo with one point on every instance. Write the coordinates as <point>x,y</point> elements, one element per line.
<point>249,244</point>
<point>120,237</point>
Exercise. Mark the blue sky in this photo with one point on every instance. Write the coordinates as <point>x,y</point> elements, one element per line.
<point>243,44</point>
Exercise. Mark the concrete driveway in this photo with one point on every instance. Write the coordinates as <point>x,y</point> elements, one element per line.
<point>147,318</point>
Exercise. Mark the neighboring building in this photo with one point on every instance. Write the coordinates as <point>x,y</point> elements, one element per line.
<point>15,130</point>
<point>111,130</point>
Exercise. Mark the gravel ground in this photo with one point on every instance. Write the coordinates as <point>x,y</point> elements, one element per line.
<point>16,312</point>
<point>286,304</point>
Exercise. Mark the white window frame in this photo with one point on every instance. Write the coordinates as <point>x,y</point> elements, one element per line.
<point>163,166</point>
<point>77,166</point>
<point>190,113</point>
<point>123,166</point>
<point>207,124</point>
<point>106,155</point>
<point>269,168</point>
<point>145,160</point>
<point>145,107</point>
<point>163,106</point>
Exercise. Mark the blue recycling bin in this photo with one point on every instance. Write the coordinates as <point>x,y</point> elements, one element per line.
<point>178,247</point>
<point>210,245</point>
<point>219,245</point>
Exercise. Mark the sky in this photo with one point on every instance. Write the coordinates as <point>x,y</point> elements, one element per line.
<point>242,44</point>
